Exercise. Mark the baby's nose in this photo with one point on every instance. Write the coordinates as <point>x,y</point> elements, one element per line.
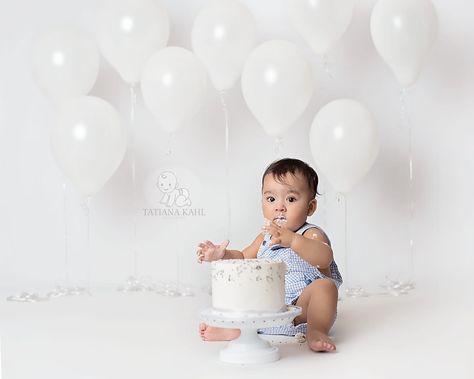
<point>280,207</point>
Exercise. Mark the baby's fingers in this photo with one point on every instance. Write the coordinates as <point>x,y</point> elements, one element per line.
<point>270,230</point>
<point>200,252</point>
<point>224,244</point>
<point>275,241</point>
<point>209,244</point>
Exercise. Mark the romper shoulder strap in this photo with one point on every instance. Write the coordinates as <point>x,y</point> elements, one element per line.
<point>307,226</point>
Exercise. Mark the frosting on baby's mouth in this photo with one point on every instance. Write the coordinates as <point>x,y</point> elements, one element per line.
<point>280,220</point>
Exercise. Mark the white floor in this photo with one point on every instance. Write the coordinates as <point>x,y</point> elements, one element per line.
<point>144,335</point>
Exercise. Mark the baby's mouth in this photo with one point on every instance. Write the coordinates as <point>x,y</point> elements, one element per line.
<point>280,219</point>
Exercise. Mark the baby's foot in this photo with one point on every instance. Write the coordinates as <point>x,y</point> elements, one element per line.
<point>210,333</point>
<point>318,341</point>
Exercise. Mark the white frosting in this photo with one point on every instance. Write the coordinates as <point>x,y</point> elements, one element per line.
<point>248,285</point>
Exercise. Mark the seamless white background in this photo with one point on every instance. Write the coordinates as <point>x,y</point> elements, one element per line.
<point>32,217</point>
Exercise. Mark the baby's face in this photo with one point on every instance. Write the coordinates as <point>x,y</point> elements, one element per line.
<point>290,199</point>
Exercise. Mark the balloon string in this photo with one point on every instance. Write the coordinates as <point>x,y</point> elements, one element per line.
<point>342,198</point>
<point>405,122</point>
<point>345,231</point>
<point>403,106</point>
<point>278,147</point>
<point>323,207</point>
<point>58,291</point>
<point>327,66</point>
<point>66,236</point>
<point>350,291</point>
<point>227,171</point>
<point>133,102</point>
<point>169,149</point>
<point>86,208</point>
<point>412,201</point>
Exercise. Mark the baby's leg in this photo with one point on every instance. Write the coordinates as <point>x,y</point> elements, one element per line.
<point>319,303</point>
<point>211,333</point>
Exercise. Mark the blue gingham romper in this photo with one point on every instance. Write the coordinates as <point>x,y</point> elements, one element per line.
<point>299,275</point>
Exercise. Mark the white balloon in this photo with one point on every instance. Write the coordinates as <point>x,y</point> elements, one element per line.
<point>88,142</point>
<point>222,37</point>
<point>277,85</point>
<point>174,85</point>
<point>321,22</point>
<point>129,32</point>
<point>344,142</point>
<point>403,32</point>
<point>65,63</point>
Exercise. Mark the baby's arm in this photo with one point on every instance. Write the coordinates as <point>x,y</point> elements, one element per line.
<point>250,252</point>
<point>313,247</point>
<point>208,252</point>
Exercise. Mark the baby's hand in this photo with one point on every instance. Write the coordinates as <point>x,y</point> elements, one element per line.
<point>279,234</point>
<point>208,252</point>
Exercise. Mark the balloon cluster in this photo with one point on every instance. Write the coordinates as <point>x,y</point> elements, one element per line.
<point>89,139</point>
<point>277,81</point>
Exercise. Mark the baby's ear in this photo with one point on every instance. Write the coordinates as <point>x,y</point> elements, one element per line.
<point>313,204</point>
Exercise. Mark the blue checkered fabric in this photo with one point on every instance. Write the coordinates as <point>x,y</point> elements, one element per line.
<point>299,275</point>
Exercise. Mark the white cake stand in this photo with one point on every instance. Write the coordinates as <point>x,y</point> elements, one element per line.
<point>249,348</point>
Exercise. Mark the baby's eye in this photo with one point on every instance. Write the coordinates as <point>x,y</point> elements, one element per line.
<point>291,199</point>
<point>270,199</point>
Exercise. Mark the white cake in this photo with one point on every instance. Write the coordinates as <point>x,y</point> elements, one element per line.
<point>248,285</point>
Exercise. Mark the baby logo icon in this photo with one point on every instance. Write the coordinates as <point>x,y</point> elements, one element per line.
<point>169,197</point>
<point>172,195</point>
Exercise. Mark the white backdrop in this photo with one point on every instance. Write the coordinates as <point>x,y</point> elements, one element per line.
<point>32,222</point>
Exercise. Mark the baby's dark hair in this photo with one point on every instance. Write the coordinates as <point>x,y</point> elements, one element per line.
<point>289,165</point>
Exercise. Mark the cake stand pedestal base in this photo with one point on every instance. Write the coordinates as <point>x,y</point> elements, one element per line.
<point>249,348</point>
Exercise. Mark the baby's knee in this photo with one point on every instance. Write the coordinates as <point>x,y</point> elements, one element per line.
<point>324,284</point>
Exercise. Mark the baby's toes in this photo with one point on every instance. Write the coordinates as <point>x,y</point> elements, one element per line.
<point>320,345</point>
<point>329,346</point>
